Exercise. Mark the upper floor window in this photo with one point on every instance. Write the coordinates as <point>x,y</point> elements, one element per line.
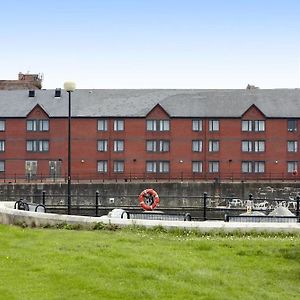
<point>247,166</point>
<point>118,125</point>
<point>102,145</point>
<point>37,125</point>
<point>214,125</point>
<point>102,166</point>
<point>158,125</point>
<point>213,166</point>
<point>197,166</point>
<point>2,166</point>
<point>256,146</point>
<point>253,125</point>
<point>102,125</point>
<point>37,146</point>
<point>2,146</point>
<point>118,166</point>
<point>213,146</point>
<point>157,166</point>
<point>292,146</point>
<point>118,145</point>
<point>247,146</point>
<point>151,166</point>
<point>2,125</point>
<point>197,125</point>
<point>292,166</point>
<point>197,146</point>
<point>259,146</point>
<point>259,167</point>
<point>292,125</point>
<point>163,167</point>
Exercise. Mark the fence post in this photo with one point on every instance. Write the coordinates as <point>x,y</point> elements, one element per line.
<point>298,204</point>
<point>204,205</point>
<point>97,204</point>
<point>43,197</point>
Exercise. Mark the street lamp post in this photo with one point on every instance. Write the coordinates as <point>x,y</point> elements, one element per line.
<point>69,86</point>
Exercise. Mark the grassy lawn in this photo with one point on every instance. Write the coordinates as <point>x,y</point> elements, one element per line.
<point>135,263</point>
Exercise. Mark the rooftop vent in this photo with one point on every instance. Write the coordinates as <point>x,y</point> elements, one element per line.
<point>31,93</point>
<point>57,93</point>
<point>252,87</point>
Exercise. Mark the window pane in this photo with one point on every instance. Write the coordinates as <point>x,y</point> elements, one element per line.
<point>164,146</point>
<point>197,166</point>
<point>292,166</point>
<point>246,125</point>
<point>259,146</point>
<point>151,125</point>
<point>213,146</point>
<point>118,166</point>
<point>151,166</point>
<point>213,125</point>
<point>163,166</point>
<point>197,125</point>
<point>259,125</point>
<point>259,167</point>
<point>102,145</point>
<point>118,145</point>
<point>164,125</point>
<point>292,146</point>
<point>213,166</point>
<point>246,166</point>
<point>2,166</point>
<point>118,125</point>
<point>292,125</point>
<point>102,166</point>
<point>102,125</point>
<point>2,125</point>
<point>197,146</point>
<point>2,146</point>
<point>246,146</point>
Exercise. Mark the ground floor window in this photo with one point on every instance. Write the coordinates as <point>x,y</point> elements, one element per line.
<point>118,166</point>
<point>292,166</point>
<point>102,166</point>
<point>213,166</point>
<point>2,166</point>
<point>197,166</point>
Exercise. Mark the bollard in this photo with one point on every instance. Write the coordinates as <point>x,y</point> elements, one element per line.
<point>44,197</point>
<point>97,204</point>
<point>204,205</point>
<point>298,204</point>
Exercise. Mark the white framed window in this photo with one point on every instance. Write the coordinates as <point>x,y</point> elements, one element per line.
<point>2,166</point>
<point>246,146</point>
<point>118,166</point>
<point>118,125</point>
<point>37,125</point>
<point>246,125</point>
<point>197,146</point>
<point>213,145</point>
<point>118,145</point>
<point>164,146</point>
<point>214,125</point>
<point>292,166</point>
<point>213,166</point>
<point>197,125</point>
<point>259,167</point>
<point>197,166</point>
<point>259,125</point>
<point>247,166</point>
<point>163,167</point>
<point>292,125</point>
<point>102,145</point>
<point>151,145</point>
<point>102,125</point>
<point>259,146</point>
<point>151,166</point>
<point>2,146</point>
<point>292,146</point>
<point>164,125</point>
<point>102,166</point>
<point>151,125</point>
<point>158,125</point>
<point>37,146</point>
<point>2,125</point>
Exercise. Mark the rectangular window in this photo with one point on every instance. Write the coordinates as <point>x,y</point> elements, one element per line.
<point>259,125</point>
<point>292,146</point>
<point>37,125</point>
<point>163,167</point>
<point>214,125</point>
<point>2,166</point>
<point>246,146</point>
<point>118,125</point>
<point>247,166</point>
<point>246,125</point>
<point>259,167</point>
<point>37,146</point>
<point>164,146</point>
<point>151,125</point>
<point>292,125</point>
<point>151,145</point>
<point>2,125</point>
<point>259,146</point>
<point>102,166</point>
<point>213,166</point>
<point>213,146</point>
<point>151,166</point>
<point>197,146</point>
<point>164,125</point>
<point>292,166</point>
<point>102,125</point>
<point>197,166</point>
<point>118,166</point>
<point>118,145</point>
<point>197,125</point>
<point>2,146</point>
<point>102,145</point>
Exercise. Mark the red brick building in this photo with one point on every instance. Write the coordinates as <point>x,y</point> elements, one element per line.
<point>163,134</point>
<point>25,81</point>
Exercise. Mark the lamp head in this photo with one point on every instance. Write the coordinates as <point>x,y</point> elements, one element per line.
<point>70,86</point>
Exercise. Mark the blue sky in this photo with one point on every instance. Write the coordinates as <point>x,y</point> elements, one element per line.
<point>153,43</point>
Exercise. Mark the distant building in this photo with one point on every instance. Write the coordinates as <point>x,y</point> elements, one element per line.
<point>24,82</point>
<point>250,134</point>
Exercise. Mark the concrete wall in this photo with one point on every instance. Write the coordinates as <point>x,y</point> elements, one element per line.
<point>171,194</point>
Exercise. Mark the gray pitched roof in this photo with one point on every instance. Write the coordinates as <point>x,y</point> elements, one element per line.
<point>276,103</point>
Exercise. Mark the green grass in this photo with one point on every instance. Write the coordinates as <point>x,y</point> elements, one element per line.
<point>135,263</point>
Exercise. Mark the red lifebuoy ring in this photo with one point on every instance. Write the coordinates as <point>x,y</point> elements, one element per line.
<point>295,172</point>
<point>151,198</point>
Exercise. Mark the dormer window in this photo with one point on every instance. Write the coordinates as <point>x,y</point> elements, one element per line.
<point>57,93</point>
<point>31,93</point>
